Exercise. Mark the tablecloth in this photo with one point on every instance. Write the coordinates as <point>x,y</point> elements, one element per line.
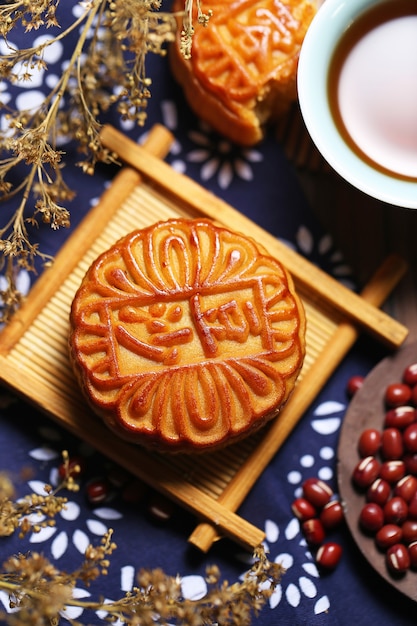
<point>261,183</point>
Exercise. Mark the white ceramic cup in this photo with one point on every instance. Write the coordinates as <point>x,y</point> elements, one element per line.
<point>323,36</point>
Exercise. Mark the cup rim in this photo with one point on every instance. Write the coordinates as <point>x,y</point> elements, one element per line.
<point>328,25</point>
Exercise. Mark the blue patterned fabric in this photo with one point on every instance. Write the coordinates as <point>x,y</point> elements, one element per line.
<point>262,184</point>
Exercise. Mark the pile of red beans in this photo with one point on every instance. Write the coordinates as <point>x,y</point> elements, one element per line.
<point>319,511</point>
<point>386,474</point>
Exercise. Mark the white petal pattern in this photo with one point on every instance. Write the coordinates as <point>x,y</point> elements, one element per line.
<point>292,529</point>
<point>59,545</point>
<point>43,535</point>
<point>271,531</point>
<point>193,587</point>
<point>322,605</point>
<point>71,511</point>
<point>307,587</point>
<point>276,597</point>
<point>80,541</point>
<point>311,569</point>
<point>96,527</point>
<point>107,513</point>
<point>329,407</point>
<point>127,578</point>
<point>38,487</point>
<point>285,559</point>
<point>293,595</point>
<point>327,426</point>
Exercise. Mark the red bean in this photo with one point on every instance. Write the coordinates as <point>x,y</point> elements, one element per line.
<point>400,417</point>
<point>313,531</point>
<point>395,511</point>
<point>98,490</point>
<point>392,444</point>
<point>317,492</point>
<point>332,515</point>
<point>392,471</point>
<point>414,395</point>
<point>410,438</point>
<point>406,487</point>
<point>412,553</point>
<point>409,529</point>
<point>410,460</point>
<point>329,555</point>
<point>412,507</point>
<point>371,517</point>
<point>366,471</point>
<point>388,535</point>
<point>379,492</point>
<point>303,509</point>
<point>398,558</point>
<point>397,394</point>
<point>354,384</point>
<point>369,442</point>
<point>410,375</point>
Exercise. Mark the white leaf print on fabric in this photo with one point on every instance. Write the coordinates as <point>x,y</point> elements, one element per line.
<point>74,612</point>
<point>271,531</point>
<point>127,578</point>
<point>284,559</point>
<point>322,605</point>
<point>71,511</point>
<point>193,587</point>
<point>307,460</point>
<point>294,477</point>
<point>59,545</point>
<point>96,527</point>
<point>37,487</point>
<point>107,513</point>
<point>307,587</point>
<point>243,170</point>
<point>327,426</point>
<point>30,100</point>
<point>329,407</point>
<point>80,541</point>
<point>53,51</point>
<point>293,595</point>
<point>325,244</point>
<point>305,240</point>
<point>311,569</point>
<point>43,535</point>
<point>5,600</point>
<point>292,529</point>
<point>275,598</point>
<point>225,175</point>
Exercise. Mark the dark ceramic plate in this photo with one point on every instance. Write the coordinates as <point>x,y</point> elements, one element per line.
<point>367,410</point>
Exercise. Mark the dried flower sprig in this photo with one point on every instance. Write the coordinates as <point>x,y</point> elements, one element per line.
<point>40,592</point>
<point>20,514</point>
<point>106,68</point>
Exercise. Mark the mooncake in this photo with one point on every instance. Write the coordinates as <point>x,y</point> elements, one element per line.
<point>186,336</point>
<point>243,65</point>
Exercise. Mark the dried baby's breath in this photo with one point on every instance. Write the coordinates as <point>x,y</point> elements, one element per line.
<point>106,68</point>
<point>39,591</point>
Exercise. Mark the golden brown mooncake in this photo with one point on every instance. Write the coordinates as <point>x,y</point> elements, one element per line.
<point>243,65</point>
<point>186,336</point>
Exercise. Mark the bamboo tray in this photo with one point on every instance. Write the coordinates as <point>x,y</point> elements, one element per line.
<point>33,347</point>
